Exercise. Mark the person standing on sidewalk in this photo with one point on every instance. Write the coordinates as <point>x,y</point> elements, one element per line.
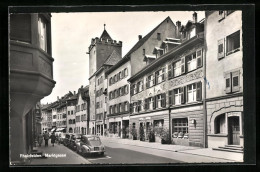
<point>40,138</point>
<point>53,138</point>
<point>46,138</point>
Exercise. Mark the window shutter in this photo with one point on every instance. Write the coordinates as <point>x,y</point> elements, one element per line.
<point>127,86</point>
<point>142,84</point>
<point>182,65</point>
<point>170,97</point>
<point>154,102</point>
<point>131,90</point>
<point>199,58</point>
<point>139,105</point>
<point>147,83</point>
<point>137,87</point>
<point>128,107</point>
<point>131,108</point>
<point>163,102</point>
<point>182,90</point>
<point>235,81</point>
<point>221,48</point>
<point>228,82</point>
<point>169,71</point>
<point>198,91</point>
<point>123,90</point>
<point>118,108</point>
<point>163,73</point>
<point>146,104</point>
<point>154,79</point>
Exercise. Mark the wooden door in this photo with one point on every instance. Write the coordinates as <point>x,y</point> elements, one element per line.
<point>234,130</point>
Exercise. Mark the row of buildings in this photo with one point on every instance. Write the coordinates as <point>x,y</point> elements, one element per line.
<point>186,78</point>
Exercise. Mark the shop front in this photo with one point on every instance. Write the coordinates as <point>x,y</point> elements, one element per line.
<point>187,126</point>
<point>144,123</point>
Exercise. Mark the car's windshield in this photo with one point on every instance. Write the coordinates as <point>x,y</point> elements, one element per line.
<point>94,141</point>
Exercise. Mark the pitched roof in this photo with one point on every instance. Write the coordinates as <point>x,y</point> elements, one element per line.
<point>112,59</point>
<point>105,35</point>
<point>145,38</point>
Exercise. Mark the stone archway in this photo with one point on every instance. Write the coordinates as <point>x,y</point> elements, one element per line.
<point>219,112</point>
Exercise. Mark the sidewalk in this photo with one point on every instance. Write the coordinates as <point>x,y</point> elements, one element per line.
<point>58,155</point>
<point>206,152</point>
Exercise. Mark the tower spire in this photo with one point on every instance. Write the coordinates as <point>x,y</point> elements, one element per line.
<point>104,26</point>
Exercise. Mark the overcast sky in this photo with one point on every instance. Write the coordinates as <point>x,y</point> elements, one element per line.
<point>72,34</point>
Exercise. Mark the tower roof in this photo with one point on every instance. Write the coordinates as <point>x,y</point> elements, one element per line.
<point>105,35</point>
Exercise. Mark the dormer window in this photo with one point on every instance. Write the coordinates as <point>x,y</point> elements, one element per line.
<point>159,36</point>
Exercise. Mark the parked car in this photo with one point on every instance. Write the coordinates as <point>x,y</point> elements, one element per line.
<point>67,138</point>
<point>62,137</point>
<point>75,138</point>
<point>90,144</point>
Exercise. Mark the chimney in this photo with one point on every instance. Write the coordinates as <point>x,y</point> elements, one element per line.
<point>194,17</point>
<point>74,92</point>
<point>178,29</point>
<point>58,98</point>
<point>140,37</point>
<point>81,86</point>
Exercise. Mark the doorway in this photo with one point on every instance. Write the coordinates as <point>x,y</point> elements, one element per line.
<point>233,130</point>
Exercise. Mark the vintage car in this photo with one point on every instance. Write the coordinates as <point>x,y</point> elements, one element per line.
<point>67,138</point>
<point>75,138</point>
<point>90,144</point>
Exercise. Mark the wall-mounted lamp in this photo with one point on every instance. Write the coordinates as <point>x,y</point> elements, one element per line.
<point>193,121</point>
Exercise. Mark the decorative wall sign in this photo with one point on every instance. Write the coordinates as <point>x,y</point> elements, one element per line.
<point>189,77</point>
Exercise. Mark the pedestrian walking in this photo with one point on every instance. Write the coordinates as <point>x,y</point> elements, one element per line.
<point>53,138</point>
<point>58,138</point>
<point>40,139</point>
<point>46,138</point>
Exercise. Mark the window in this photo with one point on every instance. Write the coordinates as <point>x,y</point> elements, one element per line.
<point>149,81</point>
<point>177,96</point>
<point>20,27</point>
<point>221,15</point>
<point>191,62</point>
<point>120,75</point>
<point>42,29</point>
<point>159,36</point>
<point>125,72</point>
<point>68,112</point>
<point>232,81</point>
<point>177,68</point>
<point>135,107</point>
<point>133,89</point>
<point>158,123</point>
<point>121,109</point>
<point>111,81</point>
<point>160,75</point>
<point>193,32</point>
<point>180,125</point>
<point>140,86</point>
<point>71,112</point>
<point>126,106</point>
<point>116,108</point>
<point>115,94</point>
<point>191,92</point>
<point>233,42</point>
<point>115,78</point>
<point>220,122</point>
<point>110,109</point>
<point>126,89</point>
<point>98,82</point>
<point>144,52</point>
<point>151,103</point>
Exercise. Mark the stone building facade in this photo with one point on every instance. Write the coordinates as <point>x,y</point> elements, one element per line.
<point>224,74</point>
<point>71,120</point>
<point>103,52</point>
<point>118,99</point>
<point>167,93</point>
<point>31,76</point>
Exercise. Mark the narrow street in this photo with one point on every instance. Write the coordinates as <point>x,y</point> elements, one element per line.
<point>120,151</point>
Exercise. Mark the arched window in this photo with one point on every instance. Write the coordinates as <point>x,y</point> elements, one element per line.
<point>220,124</point>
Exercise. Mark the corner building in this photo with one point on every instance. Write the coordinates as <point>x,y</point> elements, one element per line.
<point>168,92</point>
<point>224,73</point>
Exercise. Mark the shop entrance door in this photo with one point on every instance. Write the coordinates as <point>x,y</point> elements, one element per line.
<point>233,130</point>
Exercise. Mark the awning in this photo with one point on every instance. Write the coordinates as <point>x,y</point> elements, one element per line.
<point>60,129</point>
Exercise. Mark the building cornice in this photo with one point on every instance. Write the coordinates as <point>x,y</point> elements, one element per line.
<point>224,97</point>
